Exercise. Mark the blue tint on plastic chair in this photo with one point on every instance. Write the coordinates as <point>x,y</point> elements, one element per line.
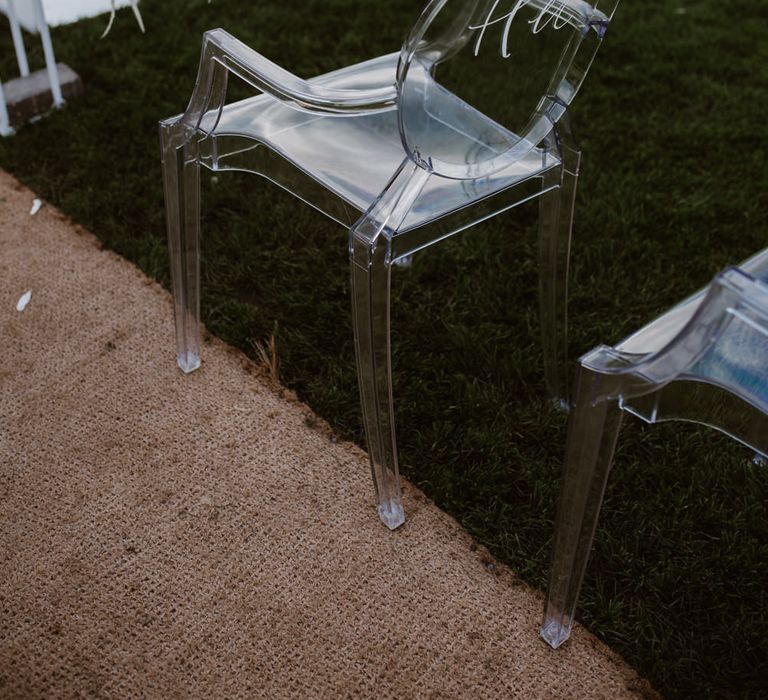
<point>467,121</point>
<point>706,361</point>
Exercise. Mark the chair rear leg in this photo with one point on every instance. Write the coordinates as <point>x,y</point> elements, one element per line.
<point>549,270</point>
<point>592,433</point>
<point>556,208</point>
<point>181,179</point>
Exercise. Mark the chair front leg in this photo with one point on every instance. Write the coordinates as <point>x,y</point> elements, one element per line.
<point>370,283</point>
<point>181,180</point>
<point>592,432</point>
<point>556,208</point>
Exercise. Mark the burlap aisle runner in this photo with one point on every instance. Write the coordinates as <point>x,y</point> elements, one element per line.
<point>168,536</point>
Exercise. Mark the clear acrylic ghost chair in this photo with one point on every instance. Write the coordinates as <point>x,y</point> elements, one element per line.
<point>467,121</point>
<point>704,361</point>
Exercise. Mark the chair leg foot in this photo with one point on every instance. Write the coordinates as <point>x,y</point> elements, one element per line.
<point>391,513</point>
<point>553,632</point>
<point>188,362</point>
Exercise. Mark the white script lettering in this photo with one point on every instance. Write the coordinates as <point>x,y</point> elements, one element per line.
<point>550,11</point>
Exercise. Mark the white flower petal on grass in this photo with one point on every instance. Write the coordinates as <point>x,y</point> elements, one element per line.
<point>21,304</point>
<point>36,204</point>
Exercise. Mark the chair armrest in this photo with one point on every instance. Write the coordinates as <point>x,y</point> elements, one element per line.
<point>264,75</point>
<point>704,318</point>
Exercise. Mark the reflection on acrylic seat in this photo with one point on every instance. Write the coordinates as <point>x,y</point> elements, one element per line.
<point>706,361</point>
<point>468,120</point>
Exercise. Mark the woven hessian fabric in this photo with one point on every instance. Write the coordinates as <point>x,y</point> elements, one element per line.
<point>165,536</point>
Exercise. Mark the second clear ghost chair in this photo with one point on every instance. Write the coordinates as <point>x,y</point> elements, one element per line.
<point>704,361</point>
<point>467,121</point>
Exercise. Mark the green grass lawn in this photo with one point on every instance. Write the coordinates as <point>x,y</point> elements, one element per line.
<point>673,188</point>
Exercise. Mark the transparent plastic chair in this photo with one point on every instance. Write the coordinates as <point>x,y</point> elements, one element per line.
<point>704,361</point>
<point>467,121</point>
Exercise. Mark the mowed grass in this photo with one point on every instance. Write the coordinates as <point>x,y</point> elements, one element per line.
<point>673,189</point>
